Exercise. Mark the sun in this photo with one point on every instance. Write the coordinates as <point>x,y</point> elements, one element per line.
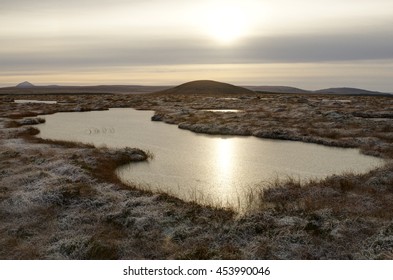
<point>226,24</point>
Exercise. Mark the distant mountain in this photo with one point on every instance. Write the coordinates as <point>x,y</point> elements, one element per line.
<point>349,91</point>
<point>195,87</point>
<point>24,88</point>
<point>334,91</point>
<point>25,84</point>
<point>277,89</point>
<point>206,87</point>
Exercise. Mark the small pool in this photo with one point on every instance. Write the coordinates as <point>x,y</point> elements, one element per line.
<point>34,101</point>
<point>214,170</point>
<point>223,110</point>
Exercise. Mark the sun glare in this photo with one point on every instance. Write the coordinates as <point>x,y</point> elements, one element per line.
<point>224,156</point>
<point>226,23</point>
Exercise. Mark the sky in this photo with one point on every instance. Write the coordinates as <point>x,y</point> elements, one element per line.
<point>310,44</point>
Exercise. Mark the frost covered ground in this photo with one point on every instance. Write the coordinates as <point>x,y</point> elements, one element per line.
<point>63,201</point>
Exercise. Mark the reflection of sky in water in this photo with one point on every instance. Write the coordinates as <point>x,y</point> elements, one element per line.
<point>223,110</point>
<point>34,101</point>
<point>213,169</point>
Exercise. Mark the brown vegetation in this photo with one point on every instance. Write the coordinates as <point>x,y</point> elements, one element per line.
<point>61,200</point>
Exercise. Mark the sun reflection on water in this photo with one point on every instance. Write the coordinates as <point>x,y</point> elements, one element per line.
<point>224,162</point>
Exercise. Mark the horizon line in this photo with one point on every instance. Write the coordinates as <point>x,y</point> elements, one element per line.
<point>174,85</point>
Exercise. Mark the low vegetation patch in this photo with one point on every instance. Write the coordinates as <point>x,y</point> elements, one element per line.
<point>62,200</point>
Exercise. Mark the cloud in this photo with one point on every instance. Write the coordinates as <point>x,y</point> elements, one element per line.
<point>56,35</point>
<point>320,47</point>
<point>69,52</point>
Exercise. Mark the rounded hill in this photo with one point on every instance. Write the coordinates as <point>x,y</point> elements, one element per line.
<point>206,87</point>
<point>25,84</point>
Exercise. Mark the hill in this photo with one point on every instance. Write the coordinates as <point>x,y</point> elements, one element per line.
<point>330,91</point>
<point>206,87</point>
<point>277,89</point>
<point>103,89</point>
<point>25,84</point>
<point>350,91</point>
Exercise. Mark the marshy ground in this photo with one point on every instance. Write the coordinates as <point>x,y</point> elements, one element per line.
<point>62,201</point>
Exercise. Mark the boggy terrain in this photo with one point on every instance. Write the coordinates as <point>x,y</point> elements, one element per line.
<point>62,200</point>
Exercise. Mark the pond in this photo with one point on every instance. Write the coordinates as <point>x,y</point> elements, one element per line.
<point>21,101</point>
<point>209,169</point>
<point>223,110</point>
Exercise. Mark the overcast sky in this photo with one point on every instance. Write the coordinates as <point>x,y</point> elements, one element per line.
<point>306,43</point>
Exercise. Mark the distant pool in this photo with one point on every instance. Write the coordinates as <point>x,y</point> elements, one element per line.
<point>211,169</point>
<point>223,110</point>
<point>34,101</point>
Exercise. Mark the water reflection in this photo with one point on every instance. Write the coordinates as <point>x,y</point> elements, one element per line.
<point>224,159</point>
<point>34,101</point>
<point>223,110</point>
<point>192,166</point>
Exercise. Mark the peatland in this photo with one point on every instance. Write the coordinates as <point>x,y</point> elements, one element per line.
<point>61,200</point>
